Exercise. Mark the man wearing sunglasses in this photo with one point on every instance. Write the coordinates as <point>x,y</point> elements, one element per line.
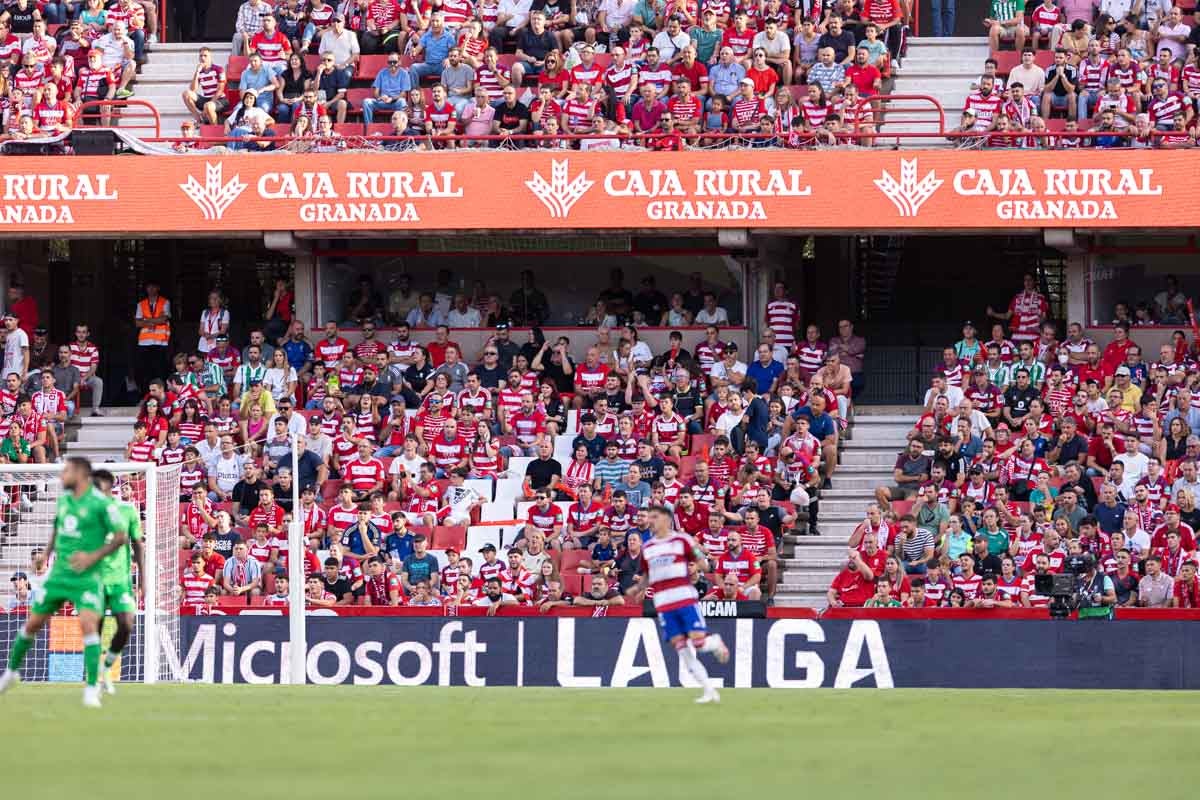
<point>390,87</point>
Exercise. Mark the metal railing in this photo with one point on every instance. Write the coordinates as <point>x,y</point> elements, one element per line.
<point>132,115</point>
<point>802,140</point>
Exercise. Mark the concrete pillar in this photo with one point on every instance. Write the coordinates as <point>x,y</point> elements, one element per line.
<point>306,289</point>
<point>1076,287</point>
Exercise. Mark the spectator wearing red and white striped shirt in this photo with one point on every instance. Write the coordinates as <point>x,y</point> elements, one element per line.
<point>1025,311</point>
<point>205,96</point>
<point>51,403</point>
<point>365,474</point>
<point>140,448</point>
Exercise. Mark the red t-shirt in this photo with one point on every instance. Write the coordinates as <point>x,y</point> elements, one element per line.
<point>852,588</point>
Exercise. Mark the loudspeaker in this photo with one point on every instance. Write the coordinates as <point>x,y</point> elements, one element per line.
<point>94,142</point>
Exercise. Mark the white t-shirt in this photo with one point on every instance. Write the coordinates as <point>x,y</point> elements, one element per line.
<point>464,319</point>
<point>15,344</point>
<point>721,372</point>
<point>409,466</point>
<point>728,421</point>
<point>297,424</point>
<point>1140,541</point>
<point>228,472</point>
<point>979,423</point>
<point>640,354</point>
<point>1136,465</point>
<point>210,325</point>
<point>276,380</point>
<point>719,316</point>
<point>320,444</point>
<point>952,393</point>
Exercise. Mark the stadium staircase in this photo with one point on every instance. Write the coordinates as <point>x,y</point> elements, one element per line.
<point>102,438</point>
<point>168,73</point>
<point>943,69</point>
<point>810,562</point>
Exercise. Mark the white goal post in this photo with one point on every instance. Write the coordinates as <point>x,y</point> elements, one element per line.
<point>28,496</point>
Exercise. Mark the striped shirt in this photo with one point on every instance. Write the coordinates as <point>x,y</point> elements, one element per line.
<point>915,546</point>
<point>782,317</point>
<point>665,563</point>
<point>610,472</point>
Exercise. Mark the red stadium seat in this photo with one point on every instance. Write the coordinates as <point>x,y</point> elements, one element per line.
<point>603,60</point>
<point>210,131</point>
<point>349,128</point>
<point>1007,59</point>
<point>233,601</point>
<point>356,97</point>
<point>573,583</point>
<point>571,559</point>
<point>234,69</point>
<point>446,536</point>
<point>687,466</point>
<point>370,66</point>
<point>701,444</point>
<point>379,129</point>
<point>313,62</point>
<point>902,507</point>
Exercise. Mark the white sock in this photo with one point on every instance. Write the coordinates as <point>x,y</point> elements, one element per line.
<point>694,666</point>
<point>712,644</point>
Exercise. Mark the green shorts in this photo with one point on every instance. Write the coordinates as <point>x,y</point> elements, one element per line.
<point>82,591</point>
<point>119,599</point>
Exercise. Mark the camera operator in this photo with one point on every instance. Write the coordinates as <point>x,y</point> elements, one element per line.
<point>1096,589</point>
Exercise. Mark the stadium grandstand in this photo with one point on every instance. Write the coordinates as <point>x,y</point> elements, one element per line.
<point>464,290</point>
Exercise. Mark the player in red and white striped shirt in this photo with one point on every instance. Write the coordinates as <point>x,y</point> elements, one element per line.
<point>664,570</point>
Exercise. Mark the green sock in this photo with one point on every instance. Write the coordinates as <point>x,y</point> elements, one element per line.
<point>20,647</point>
<point>91,658</point>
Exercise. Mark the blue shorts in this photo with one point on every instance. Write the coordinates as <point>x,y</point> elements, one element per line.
<point>681,622</point>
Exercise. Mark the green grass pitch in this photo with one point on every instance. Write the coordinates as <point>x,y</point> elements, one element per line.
<point>200,741</point>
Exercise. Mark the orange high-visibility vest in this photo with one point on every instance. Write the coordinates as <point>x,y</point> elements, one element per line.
<point>153,334</point>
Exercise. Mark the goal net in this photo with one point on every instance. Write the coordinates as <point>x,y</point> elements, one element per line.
<point>28,496</point>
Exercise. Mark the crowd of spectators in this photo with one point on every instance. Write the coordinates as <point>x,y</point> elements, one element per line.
<point>679,74</point>
<point>452,306</point>
<point>1033,449</point>
<point>59,55</point>
<point>398,448</point>
<point>43,386</point>
<point>1129,75</point>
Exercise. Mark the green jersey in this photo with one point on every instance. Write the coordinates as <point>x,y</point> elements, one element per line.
<point>116,566</point>
<point>1004,10</point>
<point>82,525</point>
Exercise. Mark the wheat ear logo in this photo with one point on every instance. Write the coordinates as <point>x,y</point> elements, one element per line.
<point>214,196</point>
<point>558,194</point>
<point>908,194</point>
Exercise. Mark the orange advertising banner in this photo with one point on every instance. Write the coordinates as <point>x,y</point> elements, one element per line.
<point>548,190</point>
